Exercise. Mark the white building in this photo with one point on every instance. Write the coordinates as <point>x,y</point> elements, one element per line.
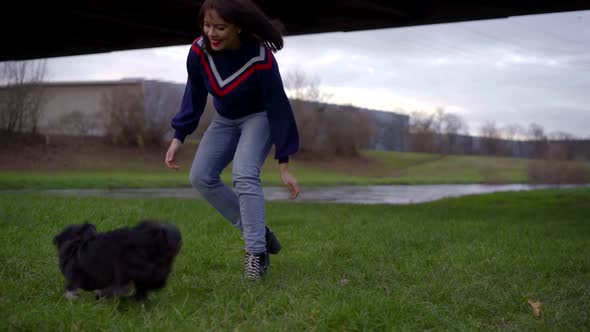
<point>87,108</point>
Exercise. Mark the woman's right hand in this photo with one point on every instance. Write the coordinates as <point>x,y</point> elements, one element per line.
<point>171,154</point>
<point>289,180</point>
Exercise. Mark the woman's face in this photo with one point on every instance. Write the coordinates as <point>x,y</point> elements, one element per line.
<point>221,35</point>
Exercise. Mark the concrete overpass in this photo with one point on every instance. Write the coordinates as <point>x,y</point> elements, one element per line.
<point>65,27</point>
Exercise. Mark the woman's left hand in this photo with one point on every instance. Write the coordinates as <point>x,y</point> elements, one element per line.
<point>290,181</point>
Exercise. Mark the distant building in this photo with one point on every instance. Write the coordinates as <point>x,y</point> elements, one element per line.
<point>81,108</point>
<point>391,131</point>
<point>78,106</point>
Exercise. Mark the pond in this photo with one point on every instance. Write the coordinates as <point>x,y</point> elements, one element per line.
<point>382,194</point>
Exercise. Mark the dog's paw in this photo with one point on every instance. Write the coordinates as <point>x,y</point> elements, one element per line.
<point>72,295</point>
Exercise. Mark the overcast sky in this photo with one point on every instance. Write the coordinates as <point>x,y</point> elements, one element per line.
<point>511,71</point>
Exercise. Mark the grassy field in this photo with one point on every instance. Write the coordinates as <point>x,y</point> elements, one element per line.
<point>120,170</point>
<point>459,264</point>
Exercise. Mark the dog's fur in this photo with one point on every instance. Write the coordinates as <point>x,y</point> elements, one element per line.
<point>109,262</point>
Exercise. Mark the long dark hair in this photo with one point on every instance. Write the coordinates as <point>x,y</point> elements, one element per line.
<point>246,15</point>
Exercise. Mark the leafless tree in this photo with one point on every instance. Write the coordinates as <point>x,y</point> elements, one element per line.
<point>556,165</point>
<point>490,139</point>
<point>124,117</point>
<point>540,145</point>
<point>302,86</point>
<point>537,132</point>
<point>348,131</point>
<point>489,130</point>
<point>449,126</point>
<point>437,132</point>
<point>325,132</point>
<point>453,124</point>
<point>512,135</point>
<point>77,123</point>
<point>512,132</point>
<point>205,119</point>
<point>22,95</point>
<point>162,101</point>
<point>303,89</point>
<point>556,151</point>
<point>562,146</point>
<point>423,128</point>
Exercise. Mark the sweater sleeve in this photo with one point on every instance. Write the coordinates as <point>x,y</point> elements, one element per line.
<point>185,122</point>
<point>283,128</point>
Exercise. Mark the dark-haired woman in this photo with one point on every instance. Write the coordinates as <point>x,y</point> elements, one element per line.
<point>233,61</point>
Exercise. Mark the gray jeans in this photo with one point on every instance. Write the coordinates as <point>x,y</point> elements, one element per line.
<point>247,142</point>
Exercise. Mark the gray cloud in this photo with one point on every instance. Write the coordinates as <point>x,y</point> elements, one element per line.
<point>521,70</point>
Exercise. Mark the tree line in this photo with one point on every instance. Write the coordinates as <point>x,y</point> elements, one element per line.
<point>143,118</point>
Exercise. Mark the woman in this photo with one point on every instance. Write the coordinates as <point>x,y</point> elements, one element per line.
<point>233,61</point>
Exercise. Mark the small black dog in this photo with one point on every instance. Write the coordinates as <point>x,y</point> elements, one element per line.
<point>108,262</point>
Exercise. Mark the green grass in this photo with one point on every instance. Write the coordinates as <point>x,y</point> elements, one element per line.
<point>466,169</point>
<point>91,179</point>
<point>426,168</point>
<point>459,264</point>
<point>379,169</point>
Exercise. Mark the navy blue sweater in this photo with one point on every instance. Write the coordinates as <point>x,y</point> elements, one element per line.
<point>243,81</point>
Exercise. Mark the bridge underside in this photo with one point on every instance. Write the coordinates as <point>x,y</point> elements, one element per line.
<point>64,27</point>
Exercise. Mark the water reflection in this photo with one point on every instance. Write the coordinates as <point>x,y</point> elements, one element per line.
<point>392,194</point>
